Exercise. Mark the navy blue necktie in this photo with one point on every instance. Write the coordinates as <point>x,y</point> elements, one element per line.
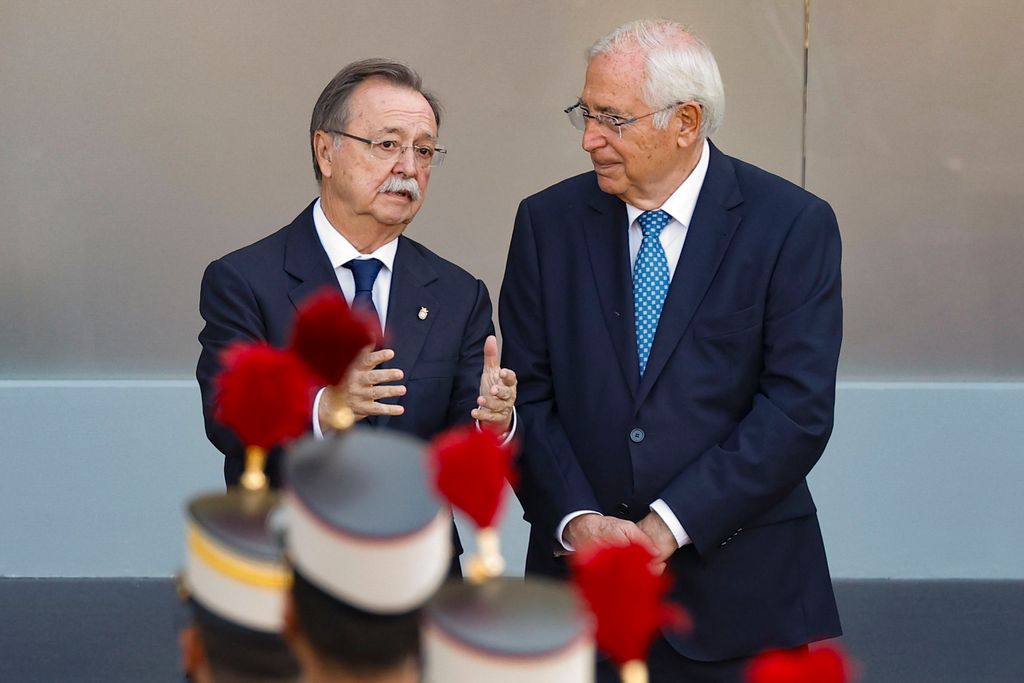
<point>650,282</point>
<point>364,271</point>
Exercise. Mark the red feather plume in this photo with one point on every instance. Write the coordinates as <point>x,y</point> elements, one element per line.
<point>821,665</point>
<point>470,467</point>
<point>626,598</point>
<point>264,394</point>
<point>328,335</point>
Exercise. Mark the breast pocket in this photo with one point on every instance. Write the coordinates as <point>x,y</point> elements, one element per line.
<point>748,318</point>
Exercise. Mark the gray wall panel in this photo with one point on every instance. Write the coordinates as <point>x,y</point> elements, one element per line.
<point>142,140</point>
<point>914,136</point>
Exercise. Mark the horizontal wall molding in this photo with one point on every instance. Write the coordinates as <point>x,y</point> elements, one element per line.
<point>920,480</point>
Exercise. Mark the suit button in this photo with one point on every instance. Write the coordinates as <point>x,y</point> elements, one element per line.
<point>637,435</point>
<point>623,509</point>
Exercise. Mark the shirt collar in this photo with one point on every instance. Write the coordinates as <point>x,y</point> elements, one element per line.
<point>340,251</point>
<point>681,203</point>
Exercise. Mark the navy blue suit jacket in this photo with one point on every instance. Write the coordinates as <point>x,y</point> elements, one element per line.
<point>734,409</point>
<point>252,294</point>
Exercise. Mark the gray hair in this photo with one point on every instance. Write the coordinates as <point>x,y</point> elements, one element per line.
<point>679,68</point>
<point>331,111</point>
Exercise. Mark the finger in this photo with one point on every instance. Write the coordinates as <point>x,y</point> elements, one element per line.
<point>489,417</point>
<point>387,409</point>
<point>362,359</point>
<point>374,408</point>
<point>375,358</point>
<point>658,568</point>
<point>501,393</point>
<point>375,392</point>
<point>635,534</point>
<point>491,353</point>
<point>491,403</point>
<point>386,391</point>
<point>508,377</point>
<point>383,375</point>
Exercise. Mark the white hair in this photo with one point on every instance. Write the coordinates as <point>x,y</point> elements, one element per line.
<point>679,68</point>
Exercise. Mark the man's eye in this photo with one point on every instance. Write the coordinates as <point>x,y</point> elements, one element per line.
<point>388,145</point>
<point>425,152</point>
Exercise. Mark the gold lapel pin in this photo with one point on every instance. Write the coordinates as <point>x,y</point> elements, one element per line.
<point>424,312</point>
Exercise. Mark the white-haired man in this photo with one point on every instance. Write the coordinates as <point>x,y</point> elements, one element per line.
<point>706,294</point>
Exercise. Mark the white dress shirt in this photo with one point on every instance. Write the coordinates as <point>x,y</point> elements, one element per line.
<point>340,251</point>
<point>680,206</point>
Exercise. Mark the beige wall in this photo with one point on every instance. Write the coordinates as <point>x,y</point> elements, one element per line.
<point>914,135</point>
<point>139,141</point>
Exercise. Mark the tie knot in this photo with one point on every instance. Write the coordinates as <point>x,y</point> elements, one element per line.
<point>652,222</point>
<point>364,272</point>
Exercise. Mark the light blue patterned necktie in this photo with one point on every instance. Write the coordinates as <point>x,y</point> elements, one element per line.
<point>650,283</point>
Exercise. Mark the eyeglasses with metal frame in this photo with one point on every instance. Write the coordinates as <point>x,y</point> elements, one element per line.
<point>388,149</point>
<point>579,113</point>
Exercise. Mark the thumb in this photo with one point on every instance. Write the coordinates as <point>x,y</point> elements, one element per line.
<point>491,353</point>
<point>637,535</point>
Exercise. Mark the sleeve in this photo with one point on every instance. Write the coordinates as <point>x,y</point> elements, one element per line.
<point>471,359</point>
<point>551,482</point>
<point>231,313</point>
<point>775,445</point>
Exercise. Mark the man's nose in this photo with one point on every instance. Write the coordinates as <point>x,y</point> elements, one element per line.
<point>593,136</point>
<point>406,162</point>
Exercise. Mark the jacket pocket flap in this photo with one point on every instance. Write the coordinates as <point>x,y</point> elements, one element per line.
<point>797,504</point>
<point>721,325</point>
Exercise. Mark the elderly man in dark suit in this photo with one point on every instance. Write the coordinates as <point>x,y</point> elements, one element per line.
<point>675,320</point>
<point>374,140</point>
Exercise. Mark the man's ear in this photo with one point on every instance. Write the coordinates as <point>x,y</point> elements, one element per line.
<point>192,655</point>
<point>688,116</point>
<point>323,145</point>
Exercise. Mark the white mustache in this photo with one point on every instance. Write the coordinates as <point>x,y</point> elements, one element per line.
<point>396,183</point>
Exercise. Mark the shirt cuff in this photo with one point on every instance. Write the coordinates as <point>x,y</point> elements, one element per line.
<point>565,521</point>
<point>507,439</point>
<point>317,432</point>
<point>661,508</point>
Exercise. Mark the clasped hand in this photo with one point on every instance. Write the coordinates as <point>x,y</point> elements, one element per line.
<point>650,532</point>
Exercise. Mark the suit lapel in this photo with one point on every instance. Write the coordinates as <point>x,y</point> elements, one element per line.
<point>406,332</point>
<point>711,229</point>
<point>607,237</point>
<point>306,261</point>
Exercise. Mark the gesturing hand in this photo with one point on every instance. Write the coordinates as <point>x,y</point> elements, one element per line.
<point>497,391</point>
<point>364,388</point>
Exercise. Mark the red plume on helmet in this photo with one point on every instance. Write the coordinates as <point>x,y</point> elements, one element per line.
<point>263,394</point>
<point>626,598</point>
<point>821,665</point>
<point>470,468</point>
<point>328,335</point>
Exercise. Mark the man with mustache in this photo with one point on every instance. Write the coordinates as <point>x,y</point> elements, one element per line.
<point>706,293</point>
<point>374,140</point>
